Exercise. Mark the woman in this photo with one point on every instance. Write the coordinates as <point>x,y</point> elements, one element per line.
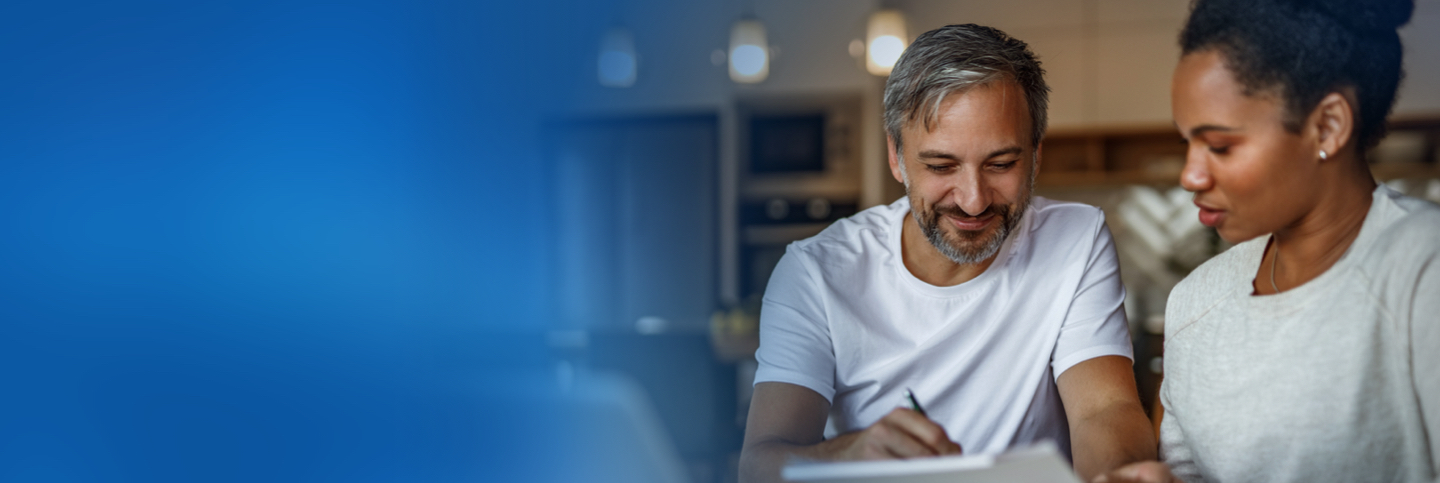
<point>1311,350</point>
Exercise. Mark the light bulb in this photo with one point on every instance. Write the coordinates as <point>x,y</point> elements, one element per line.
<point>885,50</point>
<point>748,59</point>
<point>749,52</point>
<point>618,63</point>
<point>884,40</point>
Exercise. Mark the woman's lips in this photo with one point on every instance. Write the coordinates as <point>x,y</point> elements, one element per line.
<point>1210,217</point>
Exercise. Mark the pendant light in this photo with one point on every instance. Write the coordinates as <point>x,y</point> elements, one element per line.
<point>618,62</point>
<point>749,51</point>
<point>885,40</point>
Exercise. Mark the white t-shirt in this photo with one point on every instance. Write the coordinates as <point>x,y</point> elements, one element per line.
<point>1335,380</point>
<point>843,317</point>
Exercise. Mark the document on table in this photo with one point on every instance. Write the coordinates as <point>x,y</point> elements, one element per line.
<point>1040,463</point>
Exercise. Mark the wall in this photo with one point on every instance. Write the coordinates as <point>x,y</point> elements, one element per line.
<point>276,241</point>
<point>1420,92</point>
<point>1108,61</point>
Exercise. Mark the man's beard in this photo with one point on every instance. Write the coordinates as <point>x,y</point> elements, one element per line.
<point>969,247</point>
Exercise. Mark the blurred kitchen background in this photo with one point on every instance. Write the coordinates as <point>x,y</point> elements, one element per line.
<point>708,135</point>
<point>447,240</point>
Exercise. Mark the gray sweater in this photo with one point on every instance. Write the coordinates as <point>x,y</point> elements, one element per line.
<point>1335,380</point>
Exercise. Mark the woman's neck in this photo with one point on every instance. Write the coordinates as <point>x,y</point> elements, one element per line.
<point>1319,238</point>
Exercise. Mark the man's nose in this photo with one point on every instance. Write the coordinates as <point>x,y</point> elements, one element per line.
<point>972,193</point>
<point>1196,175</point>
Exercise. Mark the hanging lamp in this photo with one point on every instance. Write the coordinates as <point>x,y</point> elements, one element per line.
<point>749,51</point>
<point>885,40</point>
<point>618,62</point>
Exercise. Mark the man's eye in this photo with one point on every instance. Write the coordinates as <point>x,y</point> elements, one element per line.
<point>938,168</point>
<point>1003,166</point>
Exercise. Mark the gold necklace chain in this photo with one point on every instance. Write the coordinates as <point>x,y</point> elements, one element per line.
<point>1274,260</point>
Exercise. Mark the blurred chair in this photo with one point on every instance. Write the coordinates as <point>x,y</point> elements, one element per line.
<point>621,436</point>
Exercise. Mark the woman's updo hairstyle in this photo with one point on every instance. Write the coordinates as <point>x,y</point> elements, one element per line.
<point>1302,50</point>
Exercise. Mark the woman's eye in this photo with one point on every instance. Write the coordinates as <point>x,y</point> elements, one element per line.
<point>1220,149</point>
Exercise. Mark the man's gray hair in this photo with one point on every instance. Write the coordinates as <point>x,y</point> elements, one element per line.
<point>956,58</point>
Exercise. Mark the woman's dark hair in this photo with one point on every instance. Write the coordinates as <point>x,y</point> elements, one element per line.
<point>1302,50</point>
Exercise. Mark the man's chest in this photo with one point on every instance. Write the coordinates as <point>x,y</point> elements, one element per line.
<point>900,332</point>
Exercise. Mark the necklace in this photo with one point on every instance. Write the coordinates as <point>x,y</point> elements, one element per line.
<point>1274,260</point>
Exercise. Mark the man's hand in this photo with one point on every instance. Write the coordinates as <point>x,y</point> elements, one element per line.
<point>786,419</point>
<point>901,434</point>
<point>1142,472</point>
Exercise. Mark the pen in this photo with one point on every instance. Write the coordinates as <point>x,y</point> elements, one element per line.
<point>914,404</point>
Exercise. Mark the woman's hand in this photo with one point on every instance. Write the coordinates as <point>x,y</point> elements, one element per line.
<point>1142,472</point>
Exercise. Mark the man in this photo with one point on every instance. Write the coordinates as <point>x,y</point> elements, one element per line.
<point>1001,312</point>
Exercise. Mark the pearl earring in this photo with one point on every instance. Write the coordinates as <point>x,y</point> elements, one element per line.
<point>1323,156</point>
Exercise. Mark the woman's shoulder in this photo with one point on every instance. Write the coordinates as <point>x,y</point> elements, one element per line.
<point>1419,224</point>
<point>1400,264</point>
<point>1404,226</point>
<point>1211,283</point>
<point>1407,242</point>
<point>1417,218</point>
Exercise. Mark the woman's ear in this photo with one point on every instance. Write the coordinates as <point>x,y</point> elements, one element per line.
<point>1333,120</point>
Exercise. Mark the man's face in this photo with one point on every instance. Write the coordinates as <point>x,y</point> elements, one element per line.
<point>969,179</point>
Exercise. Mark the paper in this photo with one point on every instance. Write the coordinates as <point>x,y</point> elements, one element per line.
<point>1040,463</point>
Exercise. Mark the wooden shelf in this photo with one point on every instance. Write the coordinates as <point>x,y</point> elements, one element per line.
<point>1106,179</point>
<point>1146,155</point>
<point>1389,171</point>
<point>1155,155</point>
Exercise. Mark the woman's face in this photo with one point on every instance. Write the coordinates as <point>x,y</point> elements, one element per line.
<point>1250,176</point>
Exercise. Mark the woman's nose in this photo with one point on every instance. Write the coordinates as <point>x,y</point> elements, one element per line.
<point>1196,175</point>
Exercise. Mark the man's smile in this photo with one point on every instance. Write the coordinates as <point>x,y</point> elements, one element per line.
<point>972,223</point>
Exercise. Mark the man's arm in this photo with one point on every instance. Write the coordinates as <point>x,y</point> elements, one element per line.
<point>786,419</point>
<point>1175,451</point>
<point>1108,427</point>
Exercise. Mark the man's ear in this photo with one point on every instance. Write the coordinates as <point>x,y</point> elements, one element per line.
<point>1333,121</point>
<point>1039,155</point>
<point>894,160</point>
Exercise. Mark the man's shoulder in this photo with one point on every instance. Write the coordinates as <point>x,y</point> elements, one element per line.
<point>849,235</point>
<point>839,250</point>
<point>1062,233</point>
<point>1064,218</point>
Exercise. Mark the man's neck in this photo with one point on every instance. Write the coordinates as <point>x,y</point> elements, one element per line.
<point>926,262</point>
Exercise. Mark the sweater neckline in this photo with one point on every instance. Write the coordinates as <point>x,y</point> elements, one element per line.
<point>1293,299</point>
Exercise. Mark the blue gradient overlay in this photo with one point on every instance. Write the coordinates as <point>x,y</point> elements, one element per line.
<point>278,241</point>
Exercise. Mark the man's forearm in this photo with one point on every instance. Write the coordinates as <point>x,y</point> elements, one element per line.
<point>761,461</point>
<point>772,436</point>
<point>1117,436</point>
